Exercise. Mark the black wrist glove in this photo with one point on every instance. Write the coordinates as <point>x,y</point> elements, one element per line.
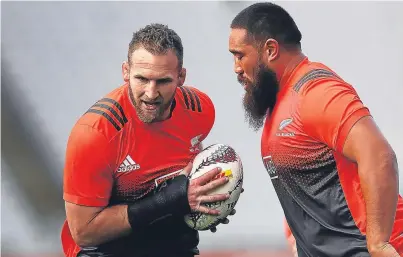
<point>172,199</point>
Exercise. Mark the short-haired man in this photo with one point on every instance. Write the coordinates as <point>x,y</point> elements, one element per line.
<point>125,186</point>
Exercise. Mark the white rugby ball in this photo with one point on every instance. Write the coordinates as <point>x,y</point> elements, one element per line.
<point>225,157</point>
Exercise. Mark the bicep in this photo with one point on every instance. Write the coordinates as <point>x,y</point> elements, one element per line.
<point>79,216</point>
<point>88,178</point>
<point>328,112</point>
<point>365,141</point>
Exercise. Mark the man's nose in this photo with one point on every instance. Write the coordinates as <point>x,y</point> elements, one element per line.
<point>238,69</point>
<point>151,90</point>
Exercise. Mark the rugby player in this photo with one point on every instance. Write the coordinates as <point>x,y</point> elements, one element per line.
<point>335,174</point>
<point>126,189</point>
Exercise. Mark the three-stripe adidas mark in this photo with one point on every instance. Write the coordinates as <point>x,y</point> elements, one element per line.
<point>128,165</point>
<point>103,104</point>
<point>192,100</point>
<point>314,74</point>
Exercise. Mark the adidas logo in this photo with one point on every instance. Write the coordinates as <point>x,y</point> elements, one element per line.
<point>128,165</point>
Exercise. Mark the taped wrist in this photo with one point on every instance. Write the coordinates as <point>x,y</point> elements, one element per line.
<point>171,200</point>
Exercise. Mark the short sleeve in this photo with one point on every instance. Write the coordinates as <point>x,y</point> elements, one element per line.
<point>88,178</point>
<point>329,110</point>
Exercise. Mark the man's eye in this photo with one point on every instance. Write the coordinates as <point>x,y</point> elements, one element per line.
<point>238,57</point>
<point>141,79</point>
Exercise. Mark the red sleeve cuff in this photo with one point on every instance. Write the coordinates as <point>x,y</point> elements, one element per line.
<point>348,125</point>
<point>92,202</point>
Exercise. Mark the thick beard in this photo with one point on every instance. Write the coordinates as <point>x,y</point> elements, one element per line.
<point>260,97</point>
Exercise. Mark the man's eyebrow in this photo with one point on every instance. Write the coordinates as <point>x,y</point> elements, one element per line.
<point>167,79</point>
<point>235,51</point>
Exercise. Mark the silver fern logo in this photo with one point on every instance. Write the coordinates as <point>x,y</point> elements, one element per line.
<point>285,123</point>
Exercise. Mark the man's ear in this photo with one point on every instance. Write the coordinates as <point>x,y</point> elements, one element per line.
<point>271,49</point>
<point>126,71</point>
<point>182,77</point>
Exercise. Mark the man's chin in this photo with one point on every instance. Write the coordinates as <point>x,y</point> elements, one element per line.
<point>147,116</point>
<point>147,119</point>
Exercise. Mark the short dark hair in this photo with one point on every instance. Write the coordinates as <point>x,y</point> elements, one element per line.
<point>157,39</point>
<point>267,20</point>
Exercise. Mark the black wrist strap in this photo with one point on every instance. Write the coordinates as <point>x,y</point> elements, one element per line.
<point>171,200</point>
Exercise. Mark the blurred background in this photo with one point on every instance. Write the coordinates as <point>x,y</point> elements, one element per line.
<point>58,58</point>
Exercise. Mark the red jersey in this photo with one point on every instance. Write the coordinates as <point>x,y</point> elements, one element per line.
<point>318,188</point>
<point>113,157</point>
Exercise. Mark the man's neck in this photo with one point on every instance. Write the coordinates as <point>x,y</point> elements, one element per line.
<point>168,112</point>
<point>290,60</point>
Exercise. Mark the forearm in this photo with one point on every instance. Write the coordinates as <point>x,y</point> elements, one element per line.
<point>379,182</point>
<point>109,224</point>
<point>120,220</point>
